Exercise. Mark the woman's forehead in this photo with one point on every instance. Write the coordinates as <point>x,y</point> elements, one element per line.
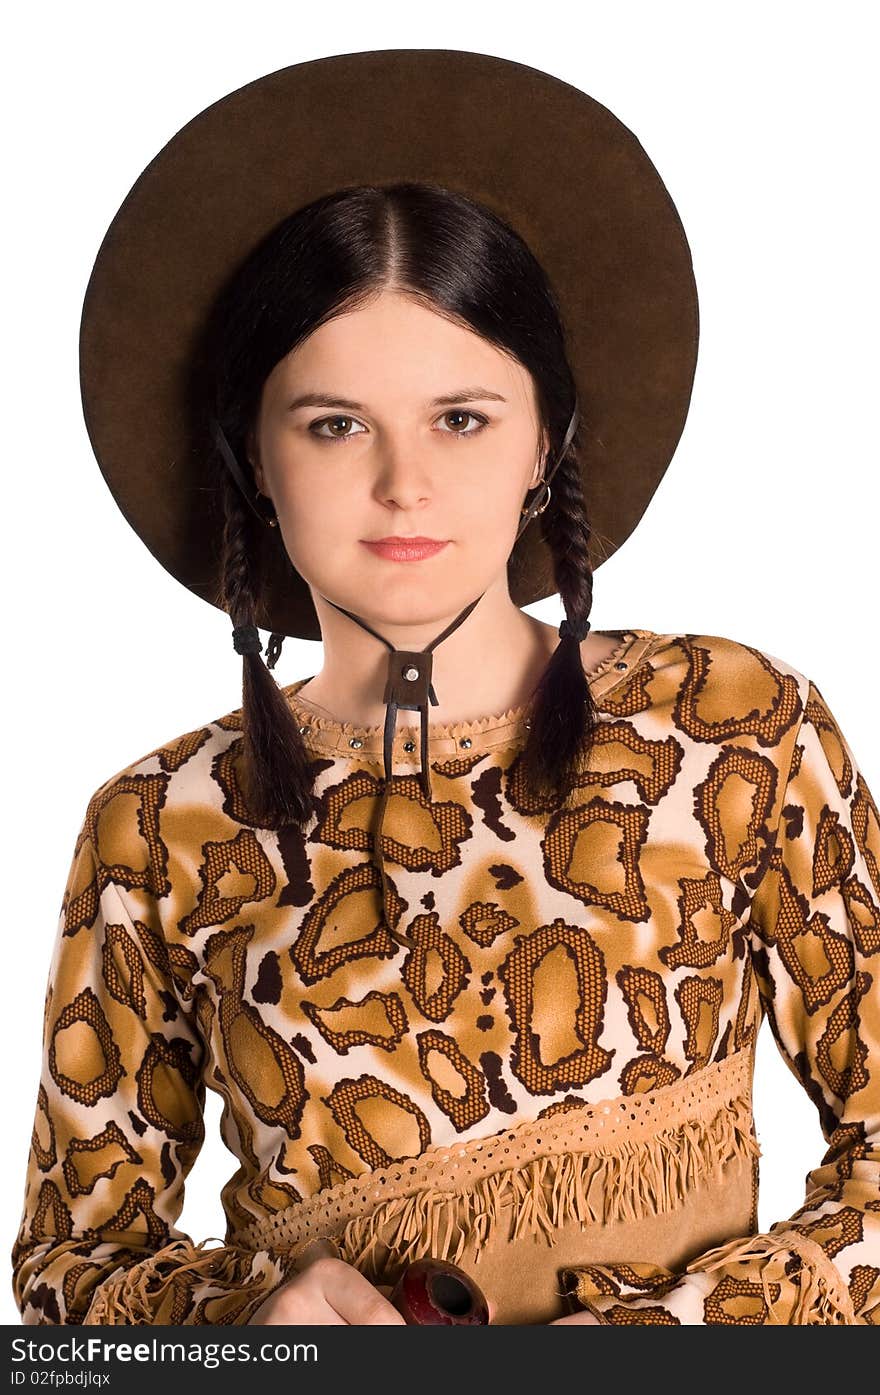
<point>393,344</point>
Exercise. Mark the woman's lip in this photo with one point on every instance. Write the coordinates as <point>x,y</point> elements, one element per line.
<point>404,549</point>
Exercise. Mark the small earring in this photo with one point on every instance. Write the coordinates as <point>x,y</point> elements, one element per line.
<point>529,507</point>
<point>271,519</point>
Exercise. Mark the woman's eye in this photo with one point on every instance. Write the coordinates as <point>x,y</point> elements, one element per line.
<point>339,427</point>
<point>456,413</point>
<point>344,435</point>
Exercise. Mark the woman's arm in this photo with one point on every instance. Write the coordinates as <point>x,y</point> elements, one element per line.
<point>118,1121</point>
<point>815,943</point>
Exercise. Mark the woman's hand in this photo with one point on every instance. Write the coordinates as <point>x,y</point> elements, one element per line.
<point>330,1293</point>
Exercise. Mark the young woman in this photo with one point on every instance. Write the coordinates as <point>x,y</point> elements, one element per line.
<point>484,987</point>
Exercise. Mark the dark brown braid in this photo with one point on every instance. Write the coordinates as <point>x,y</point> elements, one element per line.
<point>564,712</point>
<point>277,773</point>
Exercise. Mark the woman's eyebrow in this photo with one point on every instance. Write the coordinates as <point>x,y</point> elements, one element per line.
<point>326,399</point>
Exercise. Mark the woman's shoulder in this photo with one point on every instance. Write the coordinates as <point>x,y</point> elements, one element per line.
<point>715,688</point>
<point>194,770</point>
<point>734,664</point>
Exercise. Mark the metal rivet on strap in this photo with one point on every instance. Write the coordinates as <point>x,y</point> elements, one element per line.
<point>621,665</point>
<point>465,741</point>
<point>409,745</point>
<point>411,673</point>
<point>355,741</point>
<point>304,731</point>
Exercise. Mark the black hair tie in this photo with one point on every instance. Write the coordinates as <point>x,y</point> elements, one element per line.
<point>246,639</point>
<point>566,629</point>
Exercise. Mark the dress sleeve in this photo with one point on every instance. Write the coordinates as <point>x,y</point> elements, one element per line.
<point>118,1125</point>
<point>814,929</point>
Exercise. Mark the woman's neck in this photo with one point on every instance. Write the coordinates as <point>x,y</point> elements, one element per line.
<point>489,664</point>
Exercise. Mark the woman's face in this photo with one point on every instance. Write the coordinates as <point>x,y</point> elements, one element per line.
<point>414,426</point>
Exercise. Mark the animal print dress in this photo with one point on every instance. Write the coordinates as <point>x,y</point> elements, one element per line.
<point>535,1061</point>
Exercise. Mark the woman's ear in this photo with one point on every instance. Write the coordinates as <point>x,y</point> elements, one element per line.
<point>538,472</point>
<point>250,446</point>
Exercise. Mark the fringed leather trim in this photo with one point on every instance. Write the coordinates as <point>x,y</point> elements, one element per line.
<point>816,1296</point>
<point>535,1179</point>
<point>551,1191</point>
<point>158,1288</point>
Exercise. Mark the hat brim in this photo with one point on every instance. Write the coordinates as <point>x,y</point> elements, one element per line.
<point>557,165</point>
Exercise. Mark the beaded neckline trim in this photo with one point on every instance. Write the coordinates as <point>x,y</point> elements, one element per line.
<point>319,728</point>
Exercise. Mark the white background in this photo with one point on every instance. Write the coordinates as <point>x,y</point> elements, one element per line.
<point>762,119</point>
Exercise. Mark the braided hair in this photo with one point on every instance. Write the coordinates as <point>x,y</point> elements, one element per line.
<point>277,773</point>
<point>564,711</point>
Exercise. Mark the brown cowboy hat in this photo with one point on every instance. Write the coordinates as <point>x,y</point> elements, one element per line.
<point>554,163</point>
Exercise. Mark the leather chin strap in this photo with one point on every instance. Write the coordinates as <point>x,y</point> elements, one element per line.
<point>409,689</point>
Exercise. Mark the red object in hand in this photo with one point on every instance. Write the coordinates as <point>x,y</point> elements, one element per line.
<point>432,1292</point>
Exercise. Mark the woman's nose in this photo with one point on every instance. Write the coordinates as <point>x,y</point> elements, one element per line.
<point>402,475</point>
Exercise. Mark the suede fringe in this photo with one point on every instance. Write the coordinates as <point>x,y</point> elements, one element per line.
<point>141,1292</point>
<point>819,1296</point>
<point>624,1183</point>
